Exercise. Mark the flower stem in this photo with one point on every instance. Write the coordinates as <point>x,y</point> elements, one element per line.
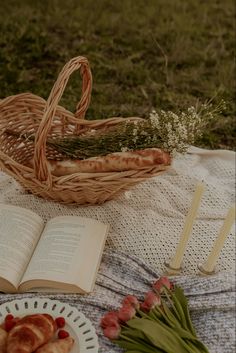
<point>171,302</point>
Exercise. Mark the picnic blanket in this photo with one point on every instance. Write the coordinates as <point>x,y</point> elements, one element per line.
<point>211,299</point>
<point>147,220</point>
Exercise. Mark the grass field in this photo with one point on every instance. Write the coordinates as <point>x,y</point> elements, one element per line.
<point>143,54</point>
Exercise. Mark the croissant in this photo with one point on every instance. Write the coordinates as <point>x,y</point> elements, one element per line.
<point>3,340</point>
<point>30,332</point>
<point>58,346</point>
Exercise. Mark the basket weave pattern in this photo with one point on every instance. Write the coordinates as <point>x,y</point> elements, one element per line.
<point>29,114</point>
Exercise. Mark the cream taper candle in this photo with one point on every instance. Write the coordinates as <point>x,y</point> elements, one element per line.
<point>188,225</point>
<point>210,263</point>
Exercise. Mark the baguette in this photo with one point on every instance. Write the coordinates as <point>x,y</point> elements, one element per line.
<point>114,162</point>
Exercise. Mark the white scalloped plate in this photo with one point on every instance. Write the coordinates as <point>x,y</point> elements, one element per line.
<point>79,327</point>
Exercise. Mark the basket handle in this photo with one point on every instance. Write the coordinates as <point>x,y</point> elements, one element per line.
<point>40,161</point>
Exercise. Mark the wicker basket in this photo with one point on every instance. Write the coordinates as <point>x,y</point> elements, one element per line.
<point>27,113</point>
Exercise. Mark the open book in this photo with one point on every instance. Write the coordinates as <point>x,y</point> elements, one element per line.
<point>63,255</point>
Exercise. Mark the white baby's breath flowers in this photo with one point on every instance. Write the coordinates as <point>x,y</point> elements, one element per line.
<point>169,131</point>
<point>154,119</point>
<point>175,132</point>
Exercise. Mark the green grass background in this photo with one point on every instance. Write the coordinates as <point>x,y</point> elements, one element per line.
<point>167,54</point>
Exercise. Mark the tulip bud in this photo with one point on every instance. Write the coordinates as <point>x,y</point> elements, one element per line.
<point>161,283</point>
<point>151,300</point>
<point>131,300</point>
<point>126,313</point>
<point>144,307</point>
<point>109,319</point>
<point>112,332</point>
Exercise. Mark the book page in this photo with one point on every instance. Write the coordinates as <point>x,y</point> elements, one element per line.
<point>69,251</point>
<point>20,230</point>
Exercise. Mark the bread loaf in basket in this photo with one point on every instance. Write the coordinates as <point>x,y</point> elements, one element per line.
<point>26,156</point>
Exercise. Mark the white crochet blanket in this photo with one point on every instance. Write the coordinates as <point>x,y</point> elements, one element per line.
<point>147,220</point>
<point>211,300</point>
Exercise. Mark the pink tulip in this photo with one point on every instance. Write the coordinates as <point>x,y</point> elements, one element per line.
<point>161,283</point>
<point>126,313</point>
<point>144,307</point>
<point>151,300</point>
<point>112,332</point>
<point>131,300</point>
<point>110,319</point>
